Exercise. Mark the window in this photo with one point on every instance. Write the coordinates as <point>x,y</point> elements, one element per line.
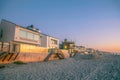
<point>36,37</point>
<point>1,33</point>
<point>28,35</point>
<point>22,34</point>
<point>54,41</point>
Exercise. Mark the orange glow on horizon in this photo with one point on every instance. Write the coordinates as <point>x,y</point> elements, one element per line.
<point>109,48</point>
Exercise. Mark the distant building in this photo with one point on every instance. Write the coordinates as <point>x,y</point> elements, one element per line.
<point>91,50</point>
<point>67,44</point>
<point>49,41</point>
<point>80,49</point>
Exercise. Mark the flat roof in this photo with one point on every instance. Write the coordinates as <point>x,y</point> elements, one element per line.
<point>18,25</point>
<point>48,35</point>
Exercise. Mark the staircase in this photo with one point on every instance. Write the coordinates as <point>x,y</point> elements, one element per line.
<point>9,51</point>
<point>8,57</point>
<point>54,54</point>
<point>2,54</point>
<point>49,55</point>
<point>60,54</point>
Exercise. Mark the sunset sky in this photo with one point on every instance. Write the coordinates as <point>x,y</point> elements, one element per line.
<point>91,23</point>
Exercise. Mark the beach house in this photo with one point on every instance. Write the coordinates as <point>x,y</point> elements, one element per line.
<point>49,41</point>
<point>23,42</point>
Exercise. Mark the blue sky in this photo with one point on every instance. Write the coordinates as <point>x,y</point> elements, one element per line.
<point>91,23</point>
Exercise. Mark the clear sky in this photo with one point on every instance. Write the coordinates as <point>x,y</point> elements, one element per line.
<point>91,23</point>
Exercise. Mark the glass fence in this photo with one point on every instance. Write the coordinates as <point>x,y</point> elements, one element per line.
<point>27,48</point>
<point>22,48</point>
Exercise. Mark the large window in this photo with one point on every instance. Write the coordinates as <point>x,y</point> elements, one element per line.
<point>36,37</point>
<point>22,34</point>
<point>28,35</point>
<point>54,41</point>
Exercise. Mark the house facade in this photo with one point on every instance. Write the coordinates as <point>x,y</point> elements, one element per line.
<point>49,41</point>
<point>12,32</point>
<point>20,39</point>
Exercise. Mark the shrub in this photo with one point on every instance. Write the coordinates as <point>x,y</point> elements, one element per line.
<point>19,62</point>
<point>2,66</point>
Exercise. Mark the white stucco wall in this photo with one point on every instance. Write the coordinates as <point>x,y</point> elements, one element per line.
<point>8,31</point>
<point>50,45</point>
<point>46,41</point>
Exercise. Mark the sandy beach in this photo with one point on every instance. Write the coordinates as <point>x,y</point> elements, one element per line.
<point>79,67</point>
